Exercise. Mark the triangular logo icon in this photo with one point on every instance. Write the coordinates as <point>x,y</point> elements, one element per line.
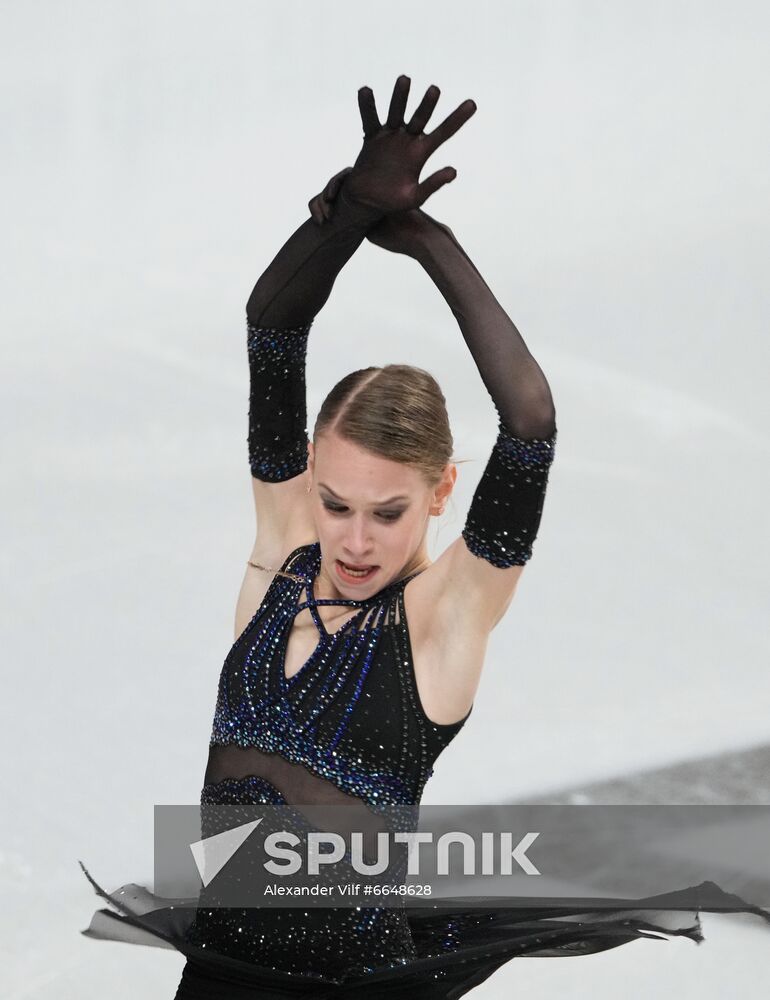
<point>212,853</point>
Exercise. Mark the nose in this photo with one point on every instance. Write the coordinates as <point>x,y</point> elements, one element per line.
<point>357,544</point>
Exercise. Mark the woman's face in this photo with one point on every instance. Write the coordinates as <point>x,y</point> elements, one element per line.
<point>371,513</point>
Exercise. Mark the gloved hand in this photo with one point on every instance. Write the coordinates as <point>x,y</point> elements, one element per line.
<point>386,173</point>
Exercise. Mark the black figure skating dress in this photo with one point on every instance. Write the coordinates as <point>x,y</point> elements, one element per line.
<point>349,725</point>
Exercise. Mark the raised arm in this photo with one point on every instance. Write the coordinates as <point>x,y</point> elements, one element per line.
<point>298,281</point>
<point>516,383</point>
<point>505,513</point>
<point>279,314</point>
<point>519,390</point>
<point>479,572</point>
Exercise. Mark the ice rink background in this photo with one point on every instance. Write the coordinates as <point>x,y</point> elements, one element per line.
<point>612,189</point>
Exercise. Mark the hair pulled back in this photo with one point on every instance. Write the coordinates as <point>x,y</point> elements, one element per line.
<point>397,411</point>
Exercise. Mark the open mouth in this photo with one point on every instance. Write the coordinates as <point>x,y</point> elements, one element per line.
<point>354,574</point>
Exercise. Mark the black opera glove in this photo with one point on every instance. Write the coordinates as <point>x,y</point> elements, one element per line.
<point>277,402</point>
<point>504,515</point>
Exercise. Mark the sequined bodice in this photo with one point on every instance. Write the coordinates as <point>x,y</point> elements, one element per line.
<point>349,722</point>
<point>346,729</point>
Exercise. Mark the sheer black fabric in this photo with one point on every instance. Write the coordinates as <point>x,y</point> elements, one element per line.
<point>280,312</point>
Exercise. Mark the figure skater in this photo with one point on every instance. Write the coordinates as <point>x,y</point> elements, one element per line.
<point>357,658</point>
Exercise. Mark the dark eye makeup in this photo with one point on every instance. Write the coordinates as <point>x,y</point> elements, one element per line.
<point>384,515</point>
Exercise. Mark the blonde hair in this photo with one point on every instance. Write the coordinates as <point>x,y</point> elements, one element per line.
<point>398,412</point>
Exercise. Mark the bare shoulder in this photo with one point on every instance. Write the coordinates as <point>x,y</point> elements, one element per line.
<point>452,607</point>
<point>462,587</point>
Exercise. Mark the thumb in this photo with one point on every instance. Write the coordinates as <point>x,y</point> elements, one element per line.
<point>431,184</point>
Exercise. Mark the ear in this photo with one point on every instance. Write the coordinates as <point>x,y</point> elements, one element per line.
<point>444,488</point>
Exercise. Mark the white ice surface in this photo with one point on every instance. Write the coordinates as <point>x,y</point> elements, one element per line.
<point>612,189</point>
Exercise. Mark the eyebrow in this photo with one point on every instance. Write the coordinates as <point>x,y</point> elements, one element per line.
<point>379,503</point>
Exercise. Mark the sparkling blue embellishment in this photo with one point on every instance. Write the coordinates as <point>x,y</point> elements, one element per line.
<point>277,436</point>
<point>505,513</point>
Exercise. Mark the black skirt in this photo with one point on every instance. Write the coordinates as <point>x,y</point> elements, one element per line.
<point>456,944</point>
